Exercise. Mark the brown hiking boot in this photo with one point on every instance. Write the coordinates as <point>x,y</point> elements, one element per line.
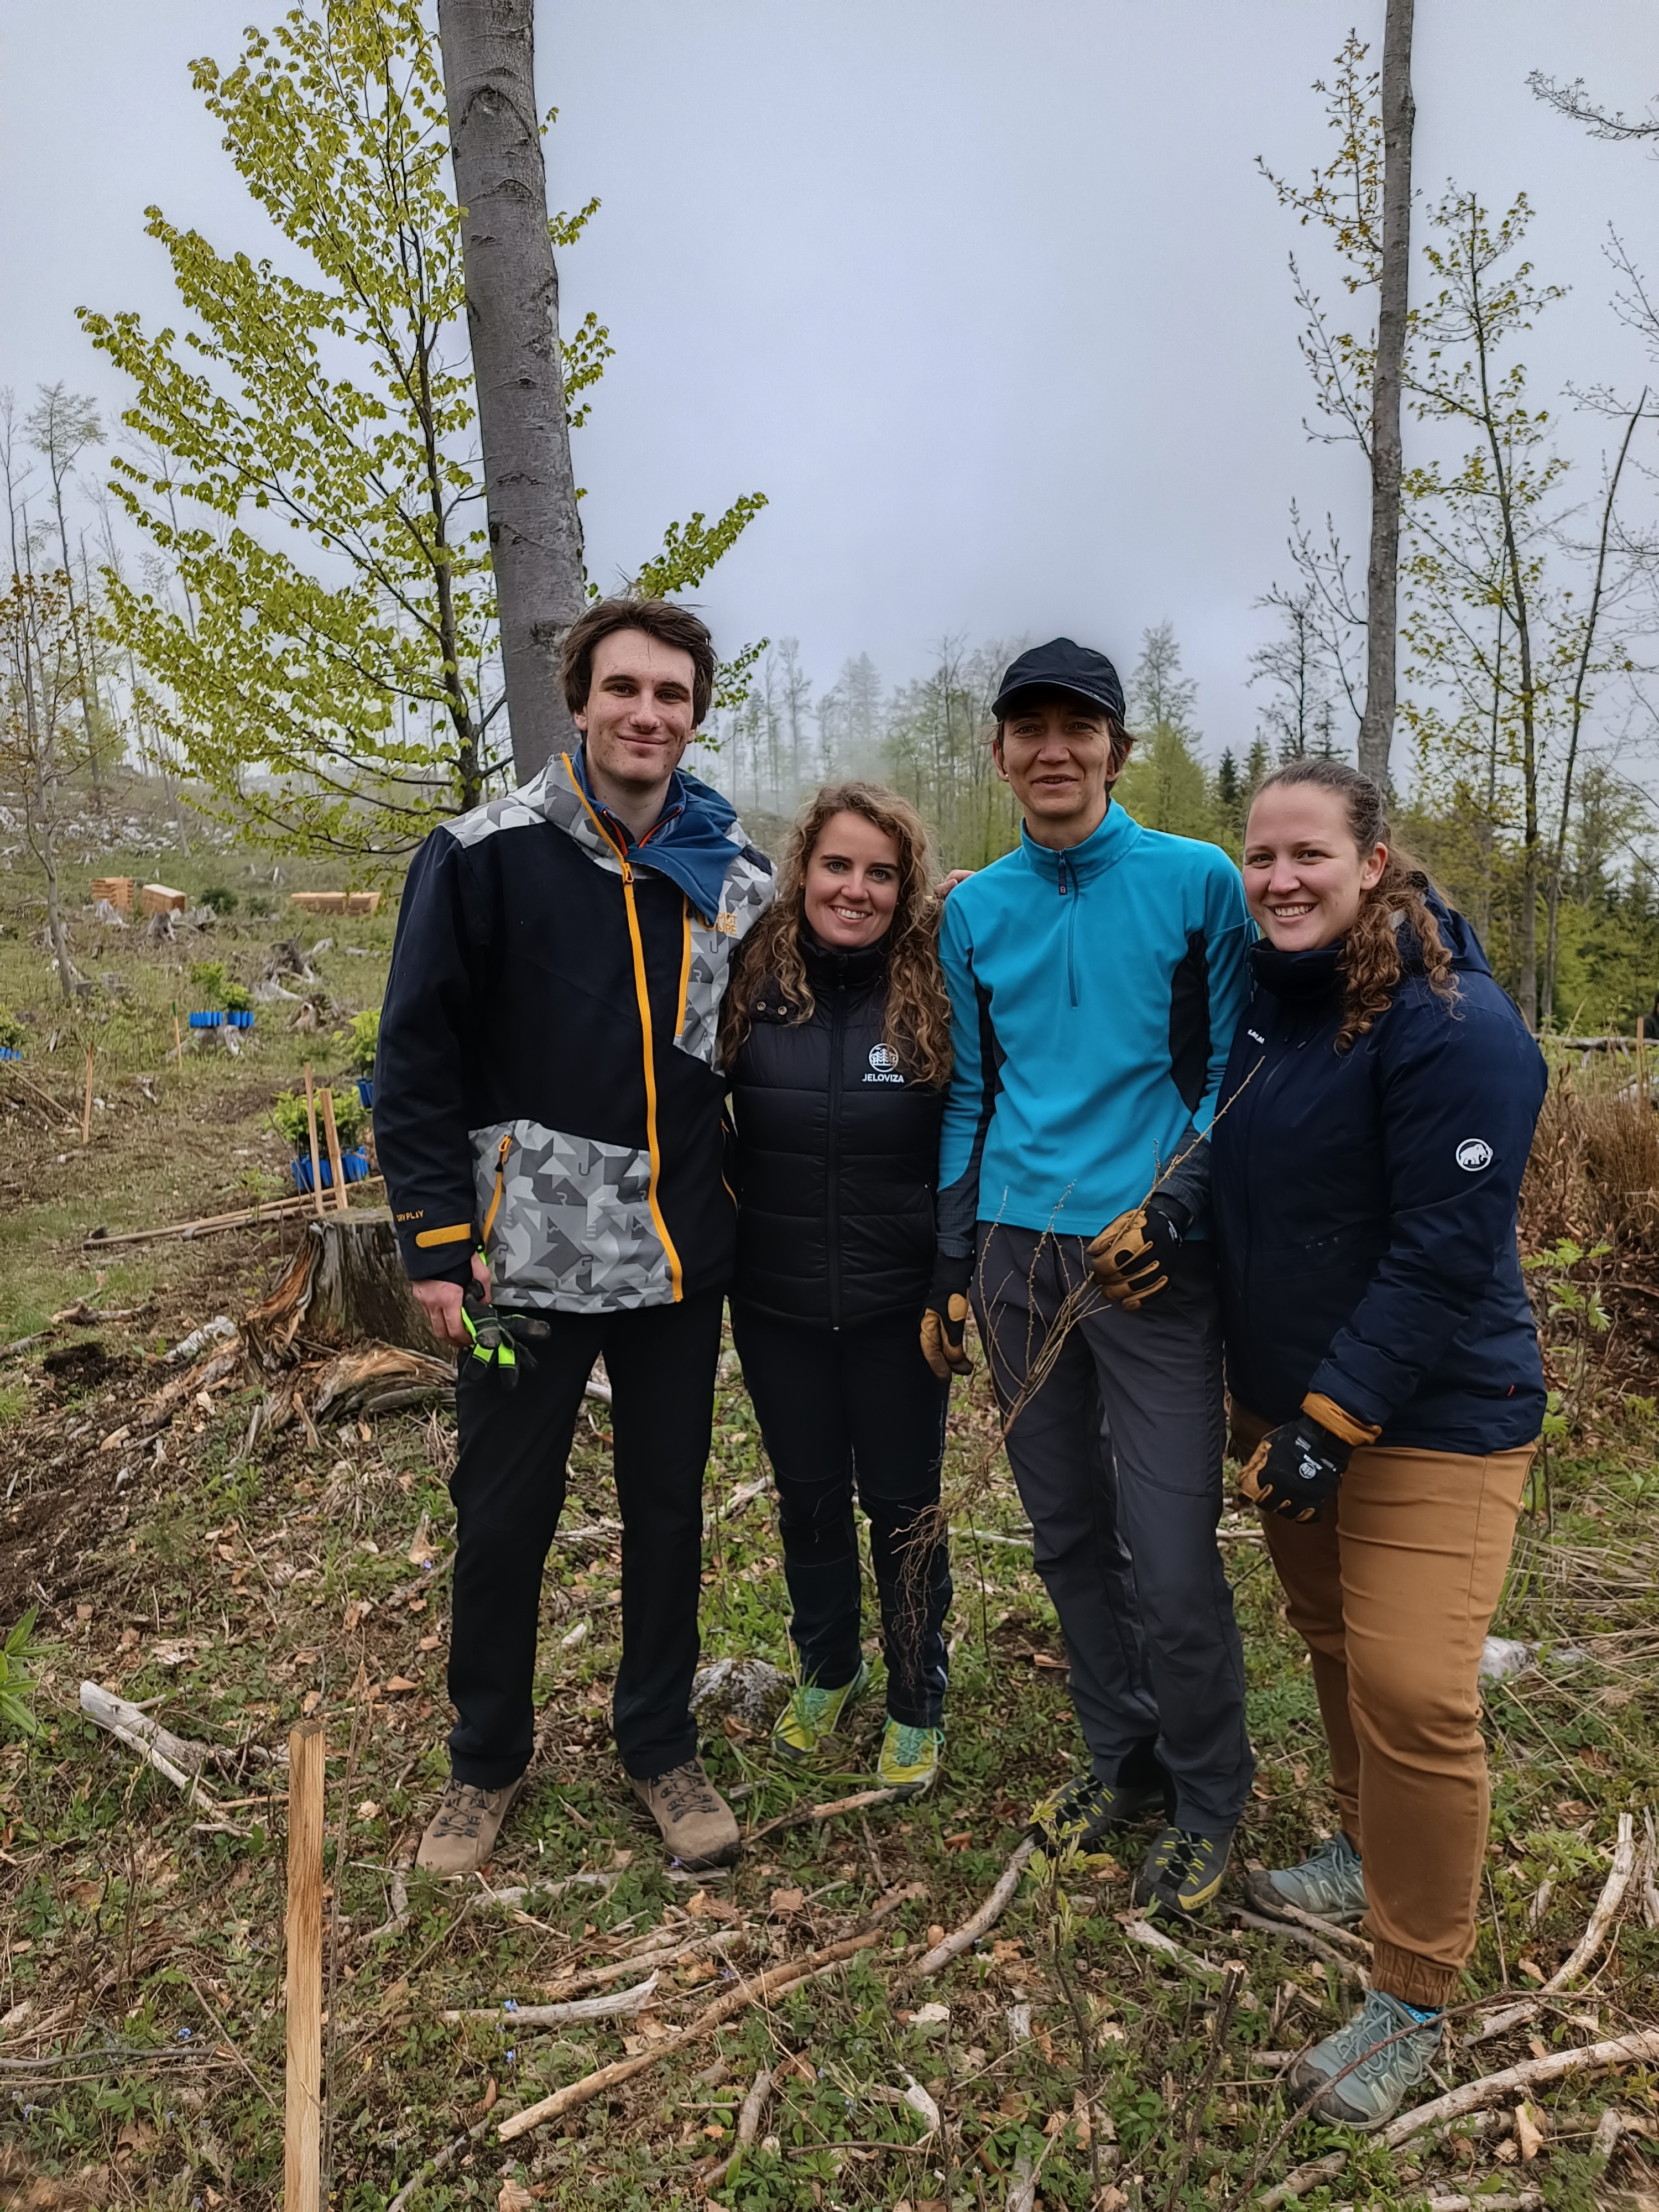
<point>465,1827</point>
<point>697,1825</point>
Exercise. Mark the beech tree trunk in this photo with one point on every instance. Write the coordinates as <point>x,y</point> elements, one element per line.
<point>512,316</point>
<point>1383,568</point>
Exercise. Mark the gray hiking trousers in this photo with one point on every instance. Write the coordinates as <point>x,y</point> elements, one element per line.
<point>1118,1460</point>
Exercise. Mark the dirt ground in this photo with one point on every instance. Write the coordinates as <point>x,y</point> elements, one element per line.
<point>230,1588</point>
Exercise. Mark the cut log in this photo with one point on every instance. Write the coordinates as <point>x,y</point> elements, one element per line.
<point>346,1287</point>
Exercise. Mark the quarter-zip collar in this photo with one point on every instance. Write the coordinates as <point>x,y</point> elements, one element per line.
<point>1101,850</point>
<point>827,965</point>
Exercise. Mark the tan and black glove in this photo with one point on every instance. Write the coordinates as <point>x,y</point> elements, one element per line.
<point>1298,1464</point>
<point>1130,1256</point>
<point>945,1317</point>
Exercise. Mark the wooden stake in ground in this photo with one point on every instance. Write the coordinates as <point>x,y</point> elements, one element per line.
<point>302,2135</point>
<point>86,1110</point>
<point>335,1165</point>
<point>178,1037</point>
<point>311,1124</point>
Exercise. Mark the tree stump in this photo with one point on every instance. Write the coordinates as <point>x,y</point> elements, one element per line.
<point>346,1287</point>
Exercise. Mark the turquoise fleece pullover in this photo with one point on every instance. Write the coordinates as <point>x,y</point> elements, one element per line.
<point>1094,993</point>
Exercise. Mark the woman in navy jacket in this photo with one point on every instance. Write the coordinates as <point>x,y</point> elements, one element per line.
<point>1386,1390</point>
<point>836,1035</point>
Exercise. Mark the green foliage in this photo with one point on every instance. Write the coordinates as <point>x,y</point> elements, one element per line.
<point>16,1688</point>
<point>1165,788</point>
<point>239,1000</point>
<point>337,693</point>
<point>220,900</point>
<point>288,1119</point>
<point>11,1030</point>
<point>207,980</point>
<point>365,1039</point>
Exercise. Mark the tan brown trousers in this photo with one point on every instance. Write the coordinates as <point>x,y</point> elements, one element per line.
<point>1392,1591</point>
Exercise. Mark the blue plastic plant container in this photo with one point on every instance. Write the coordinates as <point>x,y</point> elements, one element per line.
<point>209,1021</point>
<point>7,1052</point>
<point>366,1091</point>
<point>355,1165</point>
<point>240,1021</point>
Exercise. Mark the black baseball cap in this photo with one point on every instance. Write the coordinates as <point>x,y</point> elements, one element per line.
<point>1060,665</point>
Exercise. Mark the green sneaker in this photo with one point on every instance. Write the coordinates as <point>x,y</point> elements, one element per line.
<point>1330,1883</point>
<point>813,1713</point>
<point>1383,2077</point>
<point>909,1757</point>
<point>1183,1869</point>
<point>1084,1811</point>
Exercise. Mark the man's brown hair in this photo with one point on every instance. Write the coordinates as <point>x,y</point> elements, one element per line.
<point>659,618</point>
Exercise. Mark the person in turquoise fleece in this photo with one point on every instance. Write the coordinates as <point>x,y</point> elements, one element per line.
<point>1096,976</point>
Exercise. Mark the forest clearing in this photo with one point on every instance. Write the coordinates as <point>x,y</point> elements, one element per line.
<point>232,1583</point>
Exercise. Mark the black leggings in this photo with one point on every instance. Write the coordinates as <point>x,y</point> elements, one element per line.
<point>846,1409</point>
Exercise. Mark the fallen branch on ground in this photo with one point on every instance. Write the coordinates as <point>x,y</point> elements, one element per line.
<point>1301,2179</point>
<point>861,1803</point>
<point>1641,2049</point>
<point>1607,1911</point>
<point>1154,1939</point>
<point>1347,1968</point>
<point>1283,1909</point>
<point>674,1953</point>
<point>749,2127</point>
<point>273,1209</point>
<point>724,2008</point>
<point>434,2166</point>
<point>173,1758</point>
<point>562,2015</point>
<point>963,1938</point>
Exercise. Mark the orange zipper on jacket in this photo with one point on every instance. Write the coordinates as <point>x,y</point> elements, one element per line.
<point>641,995</point>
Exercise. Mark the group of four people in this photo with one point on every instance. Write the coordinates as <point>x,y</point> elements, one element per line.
<point>1153,1123</point>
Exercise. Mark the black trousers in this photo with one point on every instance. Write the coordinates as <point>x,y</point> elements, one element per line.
<point>846,1410</point>
<point>508,1487</point>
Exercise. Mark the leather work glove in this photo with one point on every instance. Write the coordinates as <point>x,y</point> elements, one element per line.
<point>945,1317</point>
<point>1298,1464</point>
<point>1129,1256</point>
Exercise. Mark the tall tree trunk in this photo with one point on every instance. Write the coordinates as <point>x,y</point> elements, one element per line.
<point>1383,568</point>
<point>512,316</point>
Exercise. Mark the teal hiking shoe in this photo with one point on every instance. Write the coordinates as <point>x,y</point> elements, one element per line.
<point>1387,2071</point>
<point>813,1714</point>
<point>909,1757</point>
<point>1330,1883</point>
<point>1183,1871</point>
<point>1084,1811</point>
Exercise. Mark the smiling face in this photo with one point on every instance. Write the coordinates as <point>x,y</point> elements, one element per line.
<point>851,885</point>
<point>637,720</point>
<point>1055,752</point>
<point>1304,874</point>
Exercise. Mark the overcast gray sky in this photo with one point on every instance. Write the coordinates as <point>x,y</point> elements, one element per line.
<point>987,299</point>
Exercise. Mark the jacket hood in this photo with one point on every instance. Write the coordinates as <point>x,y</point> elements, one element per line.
<point>1306,976</point>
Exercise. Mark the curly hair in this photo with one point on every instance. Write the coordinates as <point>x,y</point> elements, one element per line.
<point>1372,964</point>
<point>918,1024</point>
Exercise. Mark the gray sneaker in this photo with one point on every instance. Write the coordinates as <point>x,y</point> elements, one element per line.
<point>1330,1883</point>
<point>1383,2078</point>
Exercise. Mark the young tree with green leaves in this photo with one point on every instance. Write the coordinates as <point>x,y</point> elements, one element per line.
<point>1165,785</point>
<point>338,694</point>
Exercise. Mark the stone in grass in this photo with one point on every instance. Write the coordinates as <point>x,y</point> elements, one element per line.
<point>748,1690</point>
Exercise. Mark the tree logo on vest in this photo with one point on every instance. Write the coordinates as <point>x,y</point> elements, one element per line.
<point>884,1065</point>
<point>1473,1154</point>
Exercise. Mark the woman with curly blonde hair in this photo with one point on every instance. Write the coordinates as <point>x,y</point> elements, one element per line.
<point>1387,1391</point>
<point>836,1037</point>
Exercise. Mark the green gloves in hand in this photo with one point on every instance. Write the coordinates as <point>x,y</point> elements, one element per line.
<point>1129,1257</point>
<point>1298,1464</point>
<point>945,1317</point>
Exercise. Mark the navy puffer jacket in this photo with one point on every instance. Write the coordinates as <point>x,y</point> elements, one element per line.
<point>1364,1202</point>
<point>836,1152</point>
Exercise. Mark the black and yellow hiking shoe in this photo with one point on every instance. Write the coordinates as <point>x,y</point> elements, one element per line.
<point>1183,1869</point>
<point>1084,1810</point>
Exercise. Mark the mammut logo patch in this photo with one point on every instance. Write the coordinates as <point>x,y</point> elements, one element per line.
<point>1473,1154</point>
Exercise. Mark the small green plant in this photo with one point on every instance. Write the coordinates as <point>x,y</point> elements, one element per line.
<point>239,1000</point>
<point>288,1117</point>
<point>208,979</point>
<point>220,900</point>
<point>11,1030</point>
<point>258,907</point>
<point>365,1039</point>
<point>16,1688</point>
